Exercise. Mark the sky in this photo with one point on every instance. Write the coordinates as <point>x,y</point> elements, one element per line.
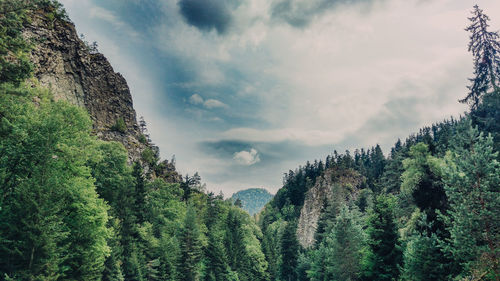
<point>242,91</point>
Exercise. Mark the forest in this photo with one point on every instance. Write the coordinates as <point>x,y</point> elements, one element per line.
<point>73,208</point>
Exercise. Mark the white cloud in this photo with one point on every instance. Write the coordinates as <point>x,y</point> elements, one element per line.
<point>212,103</point>
<point>196,99</point>
<point>208,104</point>
<point>247,158</point>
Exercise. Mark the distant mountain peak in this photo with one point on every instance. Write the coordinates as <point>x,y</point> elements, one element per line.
<point>253,200</point>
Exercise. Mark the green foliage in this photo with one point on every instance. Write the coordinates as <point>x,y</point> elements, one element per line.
<point>422,182</point>
<point>190,245</point>
<point>53,225</point>
<point>149,156</point>
<point>339,256</point>
<point>486,117</point>
<point>423,260</point>
<point>217,264</point>
<point>15,66</point>
<point>289,252</point>
<point>243,246</point>
<point>472,186</point>
<point>119,126</point>
<point>384,254</point>
<point>143,139</point>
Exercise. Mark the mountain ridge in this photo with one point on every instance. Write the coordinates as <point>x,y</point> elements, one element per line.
<point>252,199</point>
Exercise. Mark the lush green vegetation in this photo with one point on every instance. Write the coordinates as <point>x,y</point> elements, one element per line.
<point>252,200</point>
<point>72,208</point>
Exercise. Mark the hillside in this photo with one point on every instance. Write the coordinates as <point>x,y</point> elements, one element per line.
<point>252,199</point>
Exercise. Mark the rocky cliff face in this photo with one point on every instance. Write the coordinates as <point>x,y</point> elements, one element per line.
<point>64,64</point>
<point>333,187</point>
<point>67,66</point>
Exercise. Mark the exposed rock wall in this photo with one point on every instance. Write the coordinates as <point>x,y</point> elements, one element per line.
<point>67,66</point>
<point>334,186</point>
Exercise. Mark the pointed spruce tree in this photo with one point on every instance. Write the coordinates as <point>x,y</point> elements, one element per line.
<point>191,248</point>
<point>384,254</point>
<point>289,253</point>
<point>485,48</point>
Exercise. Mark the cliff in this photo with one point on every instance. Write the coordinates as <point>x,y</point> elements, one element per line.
<point>333,187</point>
<point>66,65</point>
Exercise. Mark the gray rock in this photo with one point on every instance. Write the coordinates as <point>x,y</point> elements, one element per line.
<point>335,186</point>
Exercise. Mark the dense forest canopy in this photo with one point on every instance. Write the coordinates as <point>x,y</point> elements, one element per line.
<point>73,208</point>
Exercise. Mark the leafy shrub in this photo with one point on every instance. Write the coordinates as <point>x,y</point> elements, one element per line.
<point>142,139</point>
<point>119,126</point>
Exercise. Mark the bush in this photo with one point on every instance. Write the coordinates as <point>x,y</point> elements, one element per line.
<point>149,156</point>
<point>119,126</point>
<point>142,139</point>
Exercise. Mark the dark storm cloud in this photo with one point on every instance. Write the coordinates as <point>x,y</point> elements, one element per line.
<point>300,13</point>
<point>208,14</point>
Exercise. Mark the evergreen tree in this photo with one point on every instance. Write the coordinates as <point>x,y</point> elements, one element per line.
<point>346,241</point>
<point>242,242</point>
<point>191,248</point>
<point>140,192</point>
<point>485,48</point>
<point>217,267</point>
<point>289,253</point>
<point>115,184</point>
<point>486,117</point>
<point>424,258</point>
<point>384,252</point>
<point>318,263</point>
<point>339,256</point>
<point>472,186</point>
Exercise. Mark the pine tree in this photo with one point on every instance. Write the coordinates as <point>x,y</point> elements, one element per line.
<point>217,267</point>
<point>140,192</point>
<point>485,48</point>
<point>289,253</point>
<point>346,241</point>
<point>191,248</point>
<point>385,254</point>
<point>339,256</point>
<point>472,186</point>
<point>424,259</point>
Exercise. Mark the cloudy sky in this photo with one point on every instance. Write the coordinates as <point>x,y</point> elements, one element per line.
<point>244,90</point>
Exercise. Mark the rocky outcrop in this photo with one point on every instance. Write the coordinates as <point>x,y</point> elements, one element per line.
<point>65,64</point>
<point>333,187</point>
